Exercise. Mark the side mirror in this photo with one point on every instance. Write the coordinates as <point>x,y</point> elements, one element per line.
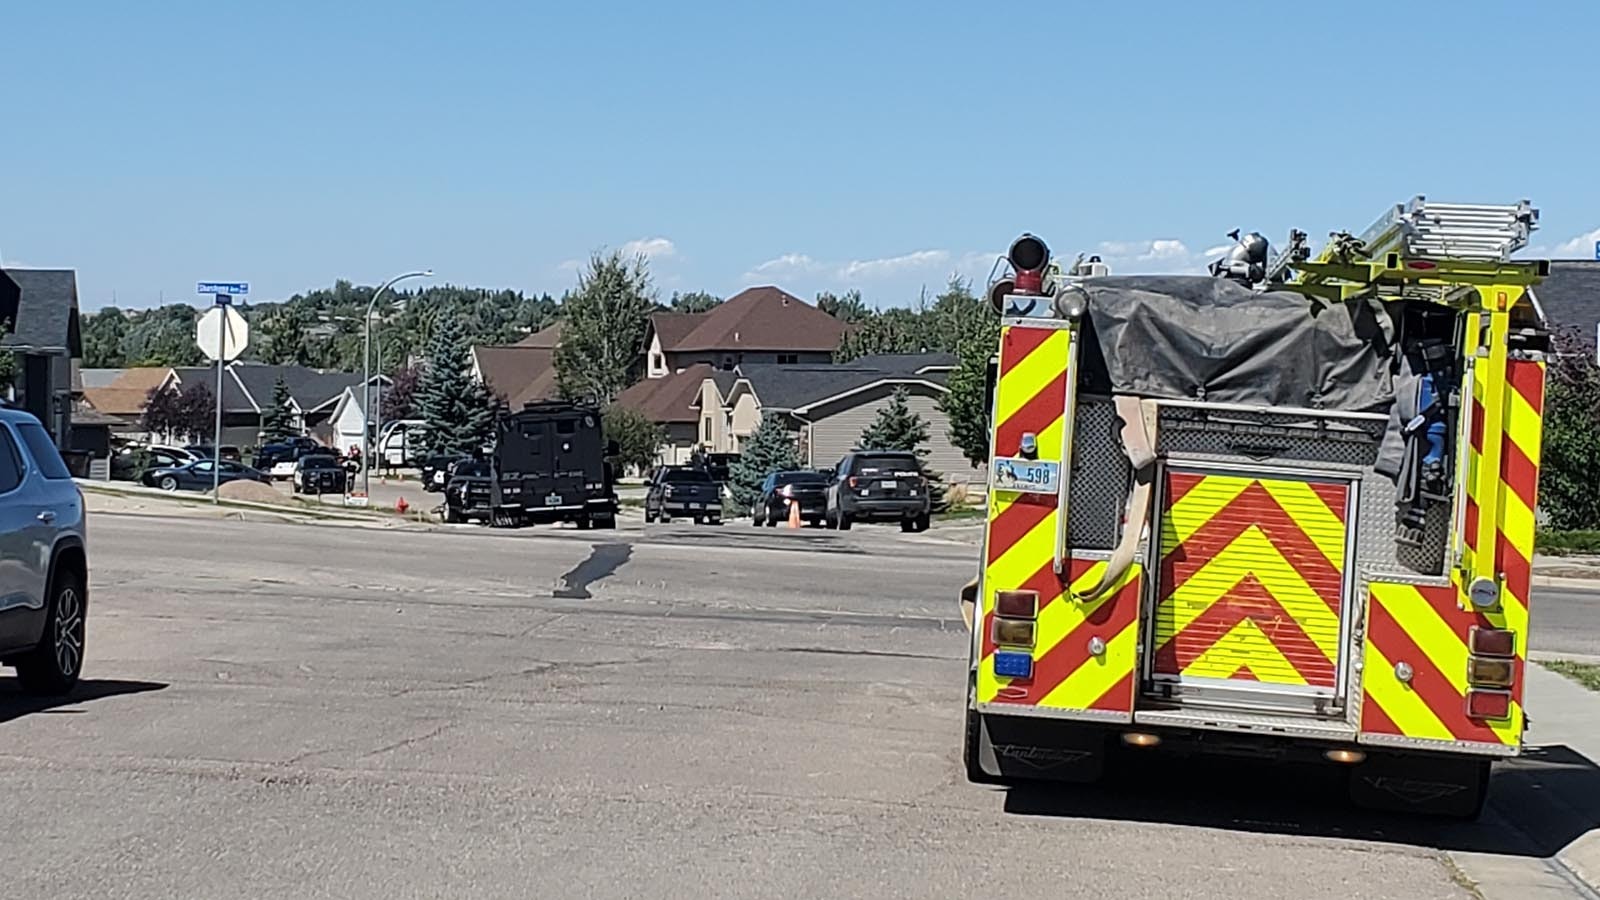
<point>613,448</point>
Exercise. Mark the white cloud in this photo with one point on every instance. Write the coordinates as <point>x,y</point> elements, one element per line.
<point>851,272</point>
<point>652,248</point>
<point>569,265</point>
<point>1582,245</point>
<point>1159,255</point>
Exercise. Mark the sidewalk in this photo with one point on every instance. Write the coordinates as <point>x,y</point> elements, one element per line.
<point>1586,568</point>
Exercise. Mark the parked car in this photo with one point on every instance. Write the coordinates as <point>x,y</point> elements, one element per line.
<point>319,473</point>
<point>203,451</point>
<point>683,491</point>
<point>43,552</point>
<point>277,459</point>
<point>435,470</point>
<point>197,475</point>
<point>130,463</point>
<point>878,486</point>
<point>802,486</point>
<point>468,492</point>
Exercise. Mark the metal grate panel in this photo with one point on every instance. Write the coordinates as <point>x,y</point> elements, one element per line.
<point>1100,478</point>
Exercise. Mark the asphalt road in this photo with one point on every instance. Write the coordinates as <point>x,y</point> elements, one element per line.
<point>278,710</point>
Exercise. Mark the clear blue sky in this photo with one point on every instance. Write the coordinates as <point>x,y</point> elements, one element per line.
<point>817,146</point>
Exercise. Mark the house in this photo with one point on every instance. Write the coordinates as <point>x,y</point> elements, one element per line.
<point>828,407</point>
<point>672,404</point>
<point>247,390</point>
<point>1570,296</point>
<point>39,311</point>
<point>520,373</point>
<point>121,395</point>
<point>758,325</point>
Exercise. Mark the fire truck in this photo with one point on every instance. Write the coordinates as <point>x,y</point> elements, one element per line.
<point>1282,510</point>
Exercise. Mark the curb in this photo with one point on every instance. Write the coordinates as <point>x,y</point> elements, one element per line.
<point>204,501</point>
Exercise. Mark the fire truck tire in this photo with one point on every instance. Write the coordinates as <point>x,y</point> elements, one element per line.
<point>1421,785</point>
<point>975,750</point>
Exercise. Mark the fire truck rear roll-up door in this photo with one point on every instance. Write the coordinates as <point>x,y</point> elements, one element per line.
<point>1251,594</point>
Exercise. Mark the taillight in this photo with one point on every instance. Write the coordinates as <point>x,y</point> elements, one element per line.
<point>1016,604</point>
<point>1489,704</point>
<point>786,490</point>
<point>1013,632</point>
<point>1489,672</point>
<point>853,481</point>
<point>1491,665</point>
<point>1491,642</point>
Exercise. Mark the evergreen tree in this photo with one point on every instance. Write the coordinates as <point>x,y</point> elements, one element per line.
<point>277,422</point>
<point>898,428</point>
<point>770,448</point>
<point>457,408</point>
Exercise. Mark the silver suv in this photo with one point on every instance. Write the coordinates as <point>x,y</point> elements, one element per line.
<point>44,566</point>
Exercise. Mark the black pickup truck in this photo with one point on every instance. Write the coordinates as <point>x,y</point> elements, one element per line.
<point>319,473</point>
<point>469,492</point>
<point>684,491</point>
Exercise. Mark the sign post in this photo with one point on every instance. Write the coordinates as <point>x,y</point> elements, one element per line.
<point>221,334</point>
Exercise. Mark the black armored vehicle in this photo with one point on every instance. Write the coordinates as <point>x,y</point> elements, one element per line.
<point>552,464</point>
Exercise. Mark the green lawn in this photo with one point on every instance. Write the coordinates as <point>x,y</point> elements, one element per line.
<point>1586,674</point>
<point>1567,543</point>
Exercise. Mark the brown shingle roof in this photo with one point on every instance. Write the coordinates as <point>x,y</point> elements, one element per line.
<point>764,318</point>
<point>672,328</point>
<point>546,338</point>
<point>669,399</point>
<point>117,401</point>
<point>142,378</point>
<point>521,374</point>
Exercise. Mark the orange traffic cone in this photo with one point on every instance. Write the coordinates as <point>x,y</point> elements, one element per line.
<point>400,506</point>
<point>794,514</point>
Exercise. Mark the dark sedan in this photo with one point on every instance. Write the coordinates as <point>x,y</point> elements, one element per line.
<point>808,489</point>
<point>197,475</point>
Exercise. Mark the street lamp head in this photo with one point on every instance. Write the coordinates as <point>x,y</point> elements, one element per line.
<point>427,273</point>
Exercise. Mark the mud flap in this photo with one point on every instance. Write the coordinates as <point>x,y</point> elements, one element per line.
<point>1009,749</point>
<point>1422,785</point>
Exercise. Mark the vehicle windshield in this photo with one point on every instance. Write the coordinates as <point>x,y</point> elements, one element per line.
<point>473,469</point>
<point>800,478</point>
<point>318,462</point>
<point>682,476</point>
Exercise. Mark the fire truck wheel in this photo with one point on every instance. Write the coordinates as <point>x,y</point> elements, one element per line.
<point>1421,785</point>
<point>977,754</point>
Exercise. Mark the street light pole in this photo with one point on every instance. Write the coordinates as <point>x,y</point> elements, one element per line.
<point>366,378</point>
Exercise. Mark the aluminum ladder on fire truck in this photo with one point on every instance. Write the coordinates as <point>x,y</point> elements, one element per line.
<point>1421,243</point>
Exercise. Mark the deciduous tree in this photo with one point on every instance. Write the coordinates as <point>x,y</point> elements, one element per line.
<point>605,326</point>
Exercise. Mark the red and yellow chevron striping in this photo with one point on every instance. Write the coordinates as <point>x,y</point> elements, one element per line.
<point>1020,547</point>
<point>1426,627</point>
<point>1251,583</point>
<point>1067,674</point>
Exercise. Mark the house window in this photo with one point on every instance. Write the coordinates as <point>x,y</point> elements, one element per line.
<point>788,359</point>
<point>705,430</point>
<point>657,362</point>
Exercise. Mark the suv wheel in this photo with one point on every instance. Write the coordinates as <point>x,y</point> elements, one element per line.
<point>54,665</point>
<point>844,521</point>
